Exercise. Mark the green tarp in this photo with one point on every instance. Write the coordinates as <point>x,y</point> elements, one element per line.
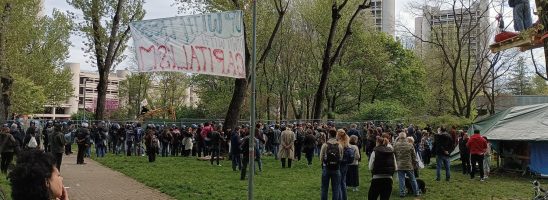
<point>520,123</point>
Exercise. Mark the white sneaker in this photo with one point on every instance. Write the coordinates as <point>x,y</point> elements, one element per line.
<point>483,179</point>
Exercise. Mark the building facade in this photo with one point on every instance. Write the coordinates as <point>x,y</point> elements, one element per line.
<point>440,25</point>
<point>384,14</point>
<point>85,93</point>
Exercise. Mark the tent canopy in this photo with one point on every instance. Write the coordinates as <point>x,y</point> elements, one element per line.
<point>520,123</point>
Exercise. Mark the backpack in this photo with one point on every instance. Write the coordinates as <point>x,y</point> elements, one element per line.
<point>349,155</point>
<point>32,142</point>
<point>333,157</point>
<point>139,135</point>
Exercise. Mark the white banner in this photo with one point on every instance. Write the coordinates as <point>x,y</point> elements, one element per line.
<point>205,44</point>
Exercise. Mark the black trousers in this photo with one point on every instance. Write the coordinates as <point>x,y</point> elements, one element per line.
<point>465,159</point>
<point>151,152</point>
<point>245,163</point>
<point>479,160</point>
<point>7,157</point>
<point>68,149</point>
<point>215,153</point>
<point>298,150</point>
<point>380,187</point>
<point>58,160</point>
<point>80,155</point>
<point>288,162</point>
<point>309,153</point>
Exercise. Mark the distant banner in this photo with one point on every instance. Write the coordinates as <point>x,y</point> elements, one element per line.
<point>205,44</point>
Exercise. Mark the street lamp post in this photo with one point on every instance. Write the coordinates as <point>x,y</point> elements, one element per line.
<point>84,101</point>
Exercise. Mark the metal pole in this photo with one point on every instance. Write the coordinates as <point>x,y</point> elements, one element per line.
<point>253,102</point>
<point>84,102</point>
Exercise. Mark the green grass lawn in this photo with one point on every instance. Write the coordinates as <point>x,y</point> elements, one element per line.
<point>188,178</point>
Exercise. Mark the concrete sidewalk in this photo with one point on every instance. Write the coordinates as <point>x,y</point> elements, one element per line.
<point>95,181</point>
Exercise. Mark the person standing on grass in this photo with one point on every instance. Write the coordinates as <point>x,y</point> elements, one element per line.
<point>464,153</point>
<point>382,165</point>
<point>245,152</point>
<point>487,159</point>
<point>287,146</point>
<point>235,150</point>
<point>215,140</point>
<point>344,141</point>
<point>151,144</point>
<point>352,176</point>
<point>443,146</point>
<point>57,144</point>
<point>405,155</point>
<point>331,155</point>
<point>309,144</point>
<point>7,148</point>
<point>478,147</point>
<point>276,134</point>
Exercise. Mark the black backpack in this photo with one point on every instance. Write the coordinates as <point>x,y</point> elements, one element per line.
<point>333,157</point>
<point>349,155</point>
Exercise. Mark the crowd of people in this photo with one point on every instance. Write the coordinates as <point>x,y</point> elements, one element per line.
<point>388,149</point>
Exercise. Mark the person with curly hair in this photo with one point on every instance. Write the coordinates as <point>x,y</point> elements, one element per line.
<point>36,176</point>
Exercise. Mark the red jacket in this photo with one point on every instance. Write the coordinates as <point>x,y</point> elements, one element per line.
<point>477,144</point>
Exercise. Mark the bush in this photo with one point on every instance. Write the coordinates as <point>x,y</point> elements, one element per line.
<point>190,113</point>
<point>90,116</point>
<point>383,110</point>
<point>444,120</point>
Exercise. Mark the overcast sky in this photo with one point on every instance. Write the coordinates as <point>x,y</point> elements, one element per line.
<point>163,8</point>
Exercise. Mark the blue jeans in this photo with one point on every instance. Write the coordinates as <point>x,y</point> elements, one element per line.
<point>401,178</point>
<point>445,161</point>
<point>100,150</point>
<point>522,16</point>
<point>236,161</point>
<point>344,170</point>
<point>335,177</point>
<point>275,150</point>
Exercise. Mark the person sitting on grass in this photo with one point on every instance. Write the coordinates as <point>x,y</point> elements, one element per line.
<point>35,176</point>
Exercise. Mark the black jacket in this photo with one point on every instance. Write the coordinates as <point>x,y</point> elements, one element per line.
<point>384,161</point>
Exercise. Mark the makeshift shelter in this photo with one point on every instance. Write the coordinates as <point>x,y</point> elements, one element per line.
<point>519,135</point>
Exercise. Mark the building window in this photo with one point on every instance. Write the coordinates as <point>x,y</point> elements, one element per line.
<point>81,100</point>
<point>59,110</point>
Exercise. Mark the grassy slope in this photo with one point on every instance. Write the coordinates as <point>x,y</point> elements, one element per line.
<point>187,178</point>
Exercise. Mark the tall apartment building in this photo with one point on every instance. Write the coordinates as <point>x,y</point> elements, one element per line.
<point>437,23</point>
<point>384,14</point>
<point>84,84</point>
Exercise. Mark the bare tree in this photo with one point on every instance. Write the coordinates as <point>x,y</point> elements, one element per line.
<point>460,30</point>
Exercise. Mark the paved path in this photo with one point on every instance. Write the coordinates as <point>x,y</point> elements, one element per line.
<point>95,181</point>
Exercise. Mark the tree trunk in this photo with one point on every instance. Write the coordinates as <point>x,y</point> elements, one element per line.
<point>101,94</point>
<point>238,98</point>
<point>544,20</point>
<point>326,65</point>
<point>329,59</point>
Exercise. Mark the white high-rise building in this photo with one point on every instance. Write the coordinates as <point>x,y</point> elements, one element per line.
<point>440,23</point>
<point>384,14</point>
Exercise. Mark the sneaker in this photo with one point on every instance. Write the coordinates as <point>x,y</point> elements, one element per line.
<point>482,179</point>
